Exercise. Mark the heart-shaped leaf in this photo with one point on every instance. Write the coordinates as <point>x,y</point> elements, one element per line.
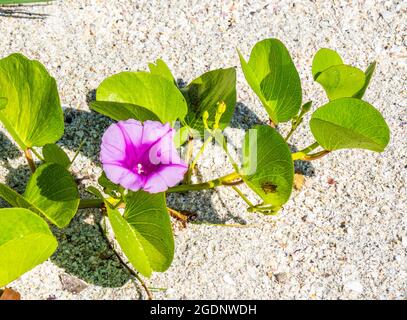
<point>324,59</point>
<point>272,75</point>
<point>25,242</point>
<point>143,89</point>
<point>95,192</point>
<point>144,232</point>
<point>349,123</point>
<point>160,68</point>
<point>53,153</point>
<point>341,81</point>
<point>267,167</point>
<point>53,191</point>
<point>368,76</point>
<point>204,94</point>
<point>122,111</point>
<point>33,114</point>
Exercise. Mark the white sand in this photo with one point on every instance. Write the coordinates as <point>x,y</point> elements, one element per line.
<point>347,240</point>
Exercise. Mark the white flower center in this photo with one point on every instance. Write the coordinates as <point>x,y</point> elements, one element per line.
<point>140,169</point>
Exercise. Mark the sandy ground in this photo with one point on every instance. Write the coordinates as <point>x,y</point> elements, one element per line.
<point>344,235</point>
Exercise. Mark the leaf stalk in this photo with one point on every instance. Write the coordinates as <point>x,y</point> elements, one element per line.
<point>222,181</point>
<point>30,160</point>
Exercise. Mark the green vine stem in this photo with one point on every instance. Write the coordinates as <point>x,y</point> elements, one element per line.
<point>316,155</point>
<point>293,128</point>
<point>242,195</point>
<point>305,156</point>
<point>298,120</point>
<point>231,179</point>
<point>221,108</point>
<point>220,138</point>
<point>194,162</point>
<point>77,151</point>
<point>310,148</point>
<point>188,156</point>
<point>222,181</point>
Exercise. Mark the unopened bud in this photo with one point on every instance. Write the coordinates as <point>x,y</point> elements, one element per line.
<point>306,107</point>
<point>221,107</point>
<point>219,112</point>
<point>205,117</point>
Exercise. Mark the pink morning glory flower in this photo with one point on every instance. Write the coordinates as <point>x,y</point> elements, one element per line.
<point>141,156</point>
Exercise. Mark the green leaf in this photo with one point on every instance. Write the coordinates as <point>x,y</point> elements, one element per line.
<point>3,102</point>
<point>33,114</point>
<point>341,81</point>
<point>368,76</point>
<point>146,90</point>
<point>204,94</point>
<point>110,188</point>
<point>53,213</point>
<point>161,69</point>
<point>267,167</point>
<point>95,192</point>
<point>122,111</point>
<point>272,75</point>
<point>15,199</point>
<point>25,242</point>
<point>349,123</point>
<point>144,232</point>
<point>53,153</point>
<point>53,191</point>
<point>324,59</point>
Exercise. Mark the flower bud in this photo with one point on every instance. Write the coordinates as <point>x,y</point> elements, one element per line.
<point>219,112</point>
<point>205,117</point>
<point>221,107</point>
<point>306,107</point>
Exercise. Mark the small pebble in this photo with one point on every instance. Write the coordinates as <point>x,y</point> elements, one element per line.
<point>72,284</point>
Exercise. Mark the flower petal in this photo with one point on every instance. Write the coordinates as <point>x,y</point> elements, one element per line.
<point>166,176</point>
<point>154,131</point>
<point>132,131</point>
<point>115,172</point>
<point>155,183</point>
<point>129,146</point>
<point>124,177</point>
<point>164,151</point>
<point>113,145</point>
<point>172,174</point>
<point>132,181</point>
<point>168,154</point>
